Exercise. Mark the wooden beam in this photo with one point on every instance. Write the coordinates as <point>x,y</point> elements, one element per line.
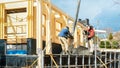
<point>2,20</point>
<point>53,35</point>
<point>13,1</point>
<point>39,33</point>
<point>48,29</point>
<point>30,18</point>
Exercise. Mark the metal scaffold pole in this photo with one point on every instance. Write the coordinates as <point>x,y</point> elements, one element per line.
<point>95,56</point>
<point>95,48</point>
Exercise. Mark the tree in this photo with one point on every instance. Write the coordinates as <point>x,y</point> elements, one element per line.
<point>110,37</point>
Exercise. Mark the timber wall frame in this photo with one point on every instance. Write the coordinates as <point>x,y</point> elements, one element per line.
<point>52,21</point>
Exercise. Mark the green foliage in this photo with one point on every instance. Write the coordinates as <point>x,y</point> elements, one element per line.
<point>110,36</point>
<point>115,44</point>
<point>108,45</point>
<point>105,44</point>
<point>102,44</point>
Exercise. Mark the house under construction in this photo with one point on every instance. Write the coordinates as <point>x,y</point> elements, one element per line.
<point>29,38</point>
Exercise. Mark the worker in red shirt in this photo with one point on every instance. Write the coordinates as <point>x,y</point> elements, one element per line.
<point>90,33</point>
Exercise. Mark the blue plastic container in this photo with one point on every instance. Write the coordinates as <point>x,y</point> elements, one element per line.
<point>16,52</point>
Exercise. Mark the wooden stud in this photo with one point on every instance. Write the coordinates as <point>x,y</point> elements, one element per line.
<point>2,20</point>
<point>30,18</point>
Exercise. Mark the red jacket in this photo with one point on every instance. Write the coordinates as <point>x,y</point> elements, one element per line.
<point>91,33</point>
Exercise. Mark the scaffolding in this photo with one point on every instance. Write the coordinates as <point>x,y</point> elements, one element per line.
<point>105,59</point>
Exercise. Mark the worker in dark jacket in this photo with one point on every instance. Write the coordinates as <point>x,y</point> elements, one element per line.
<point>63,36</point>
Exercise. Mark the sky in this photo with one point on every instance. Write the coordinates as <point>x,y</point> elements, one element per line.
<point>103,14</point>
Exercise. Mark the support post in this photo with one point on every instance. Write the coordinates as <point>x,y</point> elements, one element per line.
<point>30,18</point>
<point>75,38</point>
<point>39,33</point>
<point>2,20</point>
<point>48,29</point>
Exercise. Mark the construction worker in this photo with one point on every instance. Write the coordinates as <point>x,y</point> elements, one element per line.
<point>90,34</point>
<point>63,36</point>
